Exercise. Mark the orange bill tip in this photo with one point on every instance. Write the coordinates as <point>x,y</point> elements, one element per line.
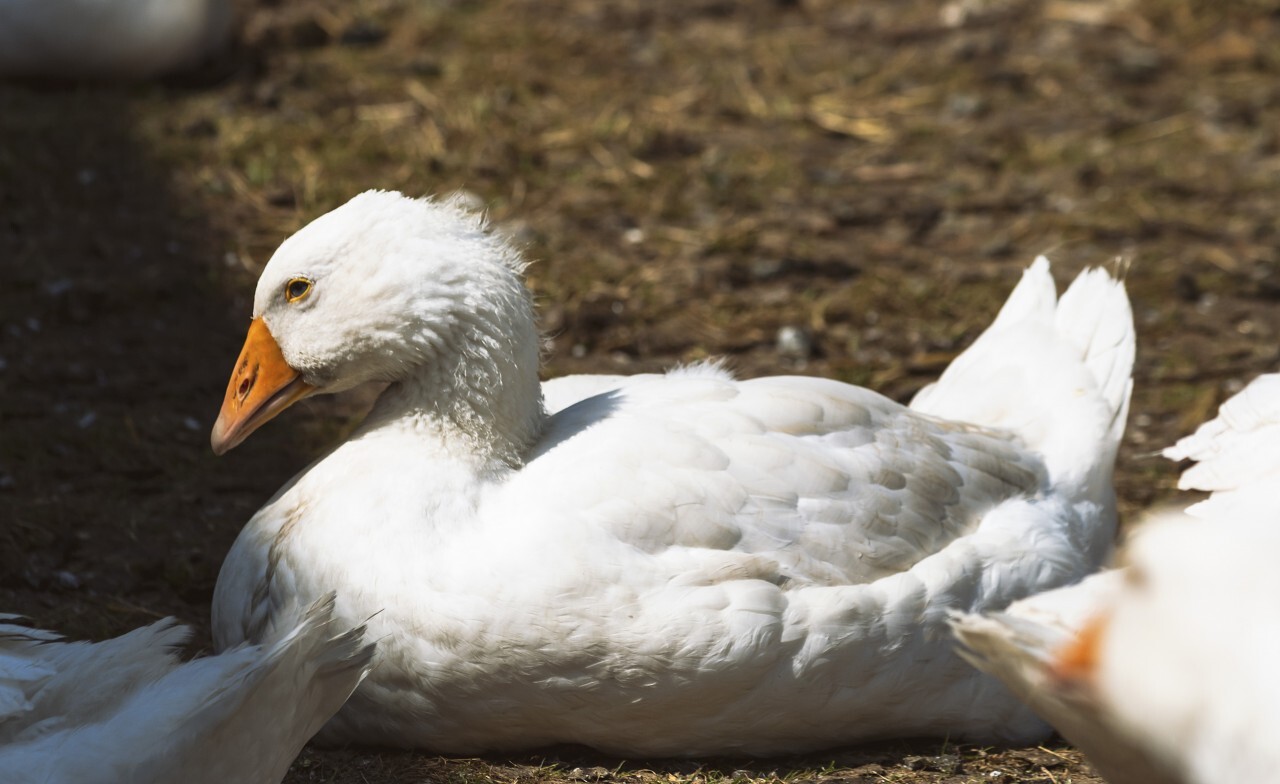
<point>261,386</point>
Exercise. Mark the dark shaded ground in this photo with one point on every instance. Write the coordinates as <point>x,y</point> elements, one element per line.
<point>692,177</point>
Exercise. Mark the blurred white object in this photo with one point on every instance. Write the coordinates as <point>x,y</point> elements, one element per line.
<point>126,710</point>
<point>1165,670</point>
<point>1237,455</point>
<point>109,39</point>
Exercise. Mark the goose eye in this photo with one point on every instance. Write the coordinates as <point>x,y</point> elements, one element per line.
<point>297,289</point>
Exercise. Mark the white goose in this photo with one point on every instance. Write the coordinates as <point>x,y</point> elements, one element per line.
<point>1165,670</point>
<point>679,564</point>
<point>109,39</point>
<point>126,710</point>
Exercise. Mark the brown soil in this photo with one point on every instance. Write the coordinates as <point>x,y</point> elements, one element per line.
<point>692,177</point>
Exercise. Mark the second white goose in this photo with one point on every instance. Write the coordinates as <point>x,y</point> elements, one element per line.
<point>1164,670</point>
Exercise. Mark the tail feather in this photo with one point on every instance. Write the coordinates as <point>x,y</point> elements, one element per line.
<point>1094,314</point>
<point>1055,371</point>
<point>1033,298</point>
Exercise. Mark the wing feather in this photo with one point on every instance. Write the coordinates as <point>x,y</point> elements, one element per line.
<point>830,483</point>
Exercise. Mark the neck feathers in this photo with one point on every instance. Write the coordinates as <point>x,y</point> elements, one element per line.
<point>476,392</point>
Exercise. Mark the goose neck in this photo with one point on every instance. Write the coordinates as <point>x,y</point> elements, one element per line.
<point>468,410</point>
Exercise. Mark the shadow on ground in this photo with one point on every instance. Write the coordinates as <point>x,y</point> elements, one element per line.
<point>118,331</point>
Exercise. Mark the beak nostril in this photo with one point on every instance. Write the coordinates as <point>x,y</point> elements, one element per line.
<point>244,388</point>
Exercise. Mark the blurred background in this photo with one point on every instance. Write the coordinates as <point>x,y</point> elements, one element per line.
<point>828,187</point>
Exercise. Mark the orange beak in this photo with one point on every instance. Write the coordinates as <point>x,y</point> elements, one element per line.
<point>262,385</point>
<point>1077,660</point>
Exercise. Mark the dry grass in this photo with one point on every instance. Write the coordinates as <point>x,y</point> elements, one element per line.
<point>690,176</point>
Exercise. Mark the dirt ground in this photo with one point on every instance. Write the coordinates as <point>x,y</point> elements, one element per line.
<point>865,179</point>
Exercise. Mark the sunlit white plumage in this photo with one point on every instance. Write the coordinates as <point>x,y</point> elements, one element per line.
<point>676,564</point>
<point>1165,670</point>
<point>127,710</point>
<point>109,39</point>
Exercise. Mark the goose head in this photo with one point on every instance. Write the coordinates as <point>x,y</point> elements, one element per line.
<point>415,292</point>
